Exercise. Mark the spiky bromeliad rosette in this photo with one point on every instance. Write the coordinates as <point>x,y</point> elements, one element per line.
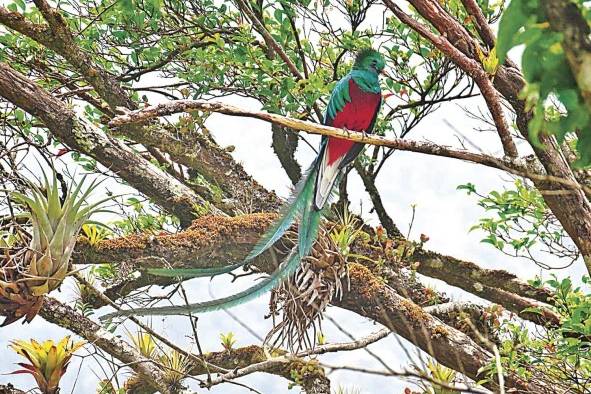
<point>28,272</point>
<point>301,300</point>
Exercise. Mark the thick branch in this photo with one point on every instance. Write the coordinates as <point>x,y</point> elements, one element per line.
<point>497,286</point>
<point>216,241</point>
<point>372,298</point>
<point>81,136</point>
<point>64,316</point>
<point>209,243</point>
<point>565,17</point>
<point>16,21</point>
<point>213,163</point>
<point>62,42</point>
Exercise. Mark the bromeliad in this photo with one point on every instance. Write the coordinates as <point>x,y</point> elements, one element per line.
<point>354,105</point>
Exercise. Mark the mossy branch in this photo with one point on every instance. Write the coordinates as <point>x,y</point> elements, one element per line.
<point>145,114</point>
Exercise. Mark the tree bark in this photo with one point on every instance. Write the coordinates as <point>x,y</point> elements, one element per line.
<point>89,140</point>
<point>570,205</point>
<point>284,145</point>
<point>376,199</point>
<point>64,316</point>
<point>566,18</point>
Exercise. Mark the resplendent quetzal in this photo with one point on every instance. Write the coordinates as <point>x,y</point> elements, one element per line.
<point>354,105</point>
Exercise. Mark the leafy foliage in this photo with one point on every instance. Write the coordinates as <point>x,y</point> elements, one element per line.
<point>521,224</point>
<point>176,365</point>
<point>143,220</point>
<point>346,232</point>
<point>94,233</point>
<point>558,356</point>
<point>55,227</point>
<point>438,373</point>
<point>551,92</point>
<point>33,270</point>
<point>145,343</point>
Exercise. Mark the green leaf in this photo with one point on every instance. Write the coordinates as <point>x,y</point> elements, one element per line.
<point>21,4</point>
<point>584,149</point>
<point>512,20</point>
<point>126,6</point>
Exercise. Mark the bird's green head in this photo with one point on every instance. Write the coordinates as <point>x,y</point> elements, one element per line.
<point>369,60</point>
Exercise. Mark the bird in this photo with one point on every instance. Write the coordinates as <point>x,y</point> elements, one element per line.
<point>354,105</point>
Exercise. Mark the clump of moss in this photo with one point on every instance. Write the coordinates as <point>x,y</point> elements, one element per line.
<point>414,313</point>
<point>370,284</point>
<point>203,232</point>
<point>300,371</point>
<point>439,332</point>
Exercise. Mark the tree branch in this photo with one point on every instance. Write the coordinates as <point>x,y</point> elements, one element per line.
<point>15,21</point>
<point>64,316</point>
<point>10,389</point>
<point>230,239</point>
<point>285,144</point>
<point>81,136</point>
<point>566,18</point>
<point>269,38</point>
<point>480,22</point>
<point>497,286</point>
<point>472,68</point>
<point>213,163</point>
<point>572,209</point>
<point>215,241</point>
<point>145,114</point>
<point>376,199</point>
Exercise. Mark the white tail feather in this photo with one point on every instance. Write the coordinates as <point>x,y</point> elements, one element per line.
<point>327,174</point>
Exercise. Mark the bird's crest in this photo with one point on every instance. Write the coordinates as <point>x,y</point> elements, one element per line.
<point>367,57</point>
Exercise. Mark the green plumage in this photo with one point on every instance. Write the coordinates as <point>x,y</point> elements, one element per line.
<point>299,205</point>
<point>302,205</point>
<point>286,268</point>
<point>366,80</point>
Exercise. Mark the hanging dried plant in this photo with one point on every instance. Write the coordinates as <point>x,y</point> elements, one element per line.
<point>301,300</point>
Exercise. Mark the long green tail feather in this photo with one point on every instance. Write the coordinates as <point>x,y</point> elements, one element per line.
<point>301,203</point>
<point>308,230</point>
<point>287,267</point>
<point>192,272</point>
<point>298,202</point>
